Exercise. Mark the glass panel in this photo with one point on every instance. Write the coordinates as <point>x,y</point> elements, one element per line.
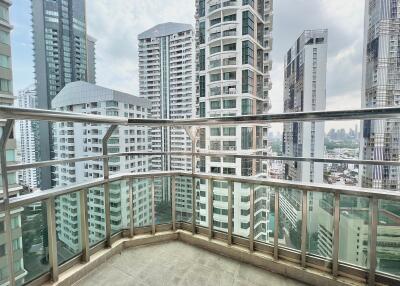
<point>162,200</point>
<point>290,202</point>
<point>96,215</point>
<point>354,230</point>
<point>388,240</point>
<point>220,205</point>
<point>264,216</point>
<point>241,209</point>
<point>201,202</point>
<point>183,199</point>
<point>320,224</point>
<point>119,210</point>
<point>68,226</point>
<point>30,225</point>
<point>142,203</point>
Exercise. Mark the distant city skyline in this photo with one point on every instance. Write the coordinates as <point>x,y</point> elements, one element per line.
<point>117,65</point>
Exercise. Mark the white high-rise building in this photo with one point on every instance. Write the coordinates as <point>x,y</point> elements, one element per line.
<point>305,90</point>
<point>166,78</point>
<point>233,43</point>
<point>85,139</point>
<point>27,132</point>
<point>380,139</point>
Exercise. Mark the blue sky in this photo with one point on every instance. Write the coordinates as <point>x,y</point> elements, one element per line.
<point>116,31</point>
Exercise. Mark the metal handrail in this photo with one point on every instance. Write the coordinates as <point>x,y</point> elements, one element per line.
<point>20,201</point>
<point>7,112</point>
<point>17,167</point>
<point>12,114</point>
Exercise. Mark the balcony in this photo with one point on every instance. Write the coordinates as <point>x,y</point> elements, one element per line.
<point>262,225</point>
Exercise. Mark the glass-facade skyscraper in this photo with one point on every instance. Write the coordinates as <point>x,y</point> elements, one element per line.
<point>380,139</point>
<point>61,56</point>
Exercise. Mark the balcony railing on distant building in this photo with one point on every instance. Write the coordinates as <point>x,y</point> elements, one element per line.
<point>66,225</point>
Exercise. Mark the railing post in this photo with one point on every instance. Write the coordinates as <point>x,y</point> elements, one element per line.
<point>52,239</point>
<point>336,225</point>
<point>230,191</point>
<point>276,226</point>
<point>192,133</point>
<point>7,129</point>
<point>131,210</point>
<point>304,211</point>
<point>173,195</point>
<point>83,204</point>
<point>106,175</point>
<point>251,234</point>
<point>210,208</point>
<point>153,208</point>
<point>193,205</point>
<point>373,242</point>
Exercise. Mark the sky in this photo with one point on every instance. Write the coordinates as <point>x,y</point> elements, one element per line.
<point>116,29</point>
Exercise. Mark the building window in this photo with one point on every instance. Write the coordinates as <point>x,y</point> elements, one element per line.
<point>248,23</point>
<point>202,83</point>
<point>215,77</point>
<point>247,138</point>
<point>230,47</point>
<point>229,131</point>
<point>5,85</point>
<point>202,32</point>
<point>4,37</point>
<point>4,13</point>
<point>214,50</point>
<point>216,104</point>
<point>230,18</point>
<point>202,59</point>
<point>202,8</point>
<point>248,53</point>
<point>247,81</point>
<point>215,131</point>
<point>4,61</point>
<point>202,109</point>
<point>229,103</point>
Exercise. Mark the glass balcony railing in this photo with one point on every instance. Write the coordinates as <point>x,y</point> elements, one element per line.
<point>339,230</point>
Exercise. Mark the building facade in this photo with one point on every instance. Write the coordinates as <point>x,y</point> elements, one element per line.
<point>305,90</point>
<point>380,139</point>
<point>81,140</point>
<point>7,98</point>
<point>27,131</point>
<point>61,55</point>
<point>166,78</point>
<point>233,42</point>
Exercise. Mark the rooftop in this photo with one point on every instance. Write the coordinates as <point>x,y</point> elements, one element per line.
<point>165,29</point>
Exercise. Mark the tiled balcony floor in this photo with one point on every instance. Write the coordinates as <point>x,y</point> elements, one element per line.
<point>176,263</point>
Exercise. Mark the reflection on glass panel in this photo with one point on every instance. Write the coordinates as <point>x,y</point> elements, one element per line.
<point>290,206</point>
<point>388,240</point>
<point>162,200</point>
<point>320,224</point>
<point>142,210</point>
<point>183,199</point>
<point>30,247</point>
<point>201,202</point>
<point>220,205</point>
<point>68,226</point>
<point>354,230</point>
<point>119,209</point>
<point>264,216</point>
<point>96,215</point>
<point>241,209</point>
